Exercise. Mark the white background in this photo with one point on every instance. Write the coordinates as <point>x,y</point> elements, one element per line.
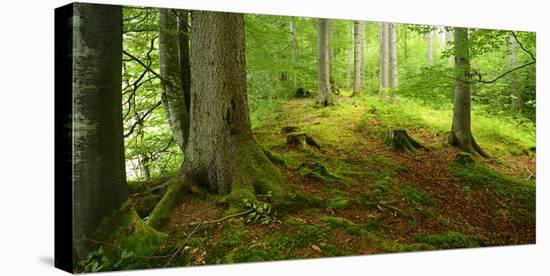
<point>27,142</point>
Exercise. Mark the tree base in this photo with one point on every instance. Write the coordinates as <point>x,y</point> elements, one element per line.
<point>123,230</point>
<point>470,145</point>
<point>399,139</point>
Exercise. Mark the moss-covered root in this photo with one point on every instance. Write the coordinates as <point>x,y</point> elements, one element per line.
<point>255,175</point>
<point>400,139</point>
<point>124,230</point>
<point>161,214</point>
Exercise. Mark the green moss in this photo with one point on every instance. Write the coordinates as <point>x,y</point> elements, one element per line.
<point>308,234</point>
<point>255,174</point>
<point>415,195</point>
<point>382,185</point>
<point>337,222</point>
<point>416,247</point>
<point>478,176</point>
<point>161,214</point>
<point>450,240</point>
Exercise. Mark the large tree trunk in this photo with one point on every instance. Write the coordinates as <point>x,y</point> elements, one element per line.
<point>358,30</point>
<point>429,38</point>
<point>294,48</point>
<point>517,101</point>
<point>222,154</point>
<point>183,52</point>
<point>99,177</point>
<point>384,61</point>
<point>393,55</point>
<point>324,94</point>
<point>461,132</point>
<point>173,97</point>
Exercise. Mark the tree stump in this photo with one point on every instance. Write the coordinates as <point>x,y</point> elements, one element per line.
<point>400,139</point>
<point>300,139</point>
<point>464,158</point>
<point>288,129</point>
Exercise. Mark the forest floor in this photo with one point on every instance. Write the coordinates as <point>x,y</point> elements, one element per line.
<point>365,196</point>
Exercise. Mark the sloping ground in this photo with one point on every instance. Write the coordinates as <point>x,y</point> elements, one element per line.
<point>363,196</point>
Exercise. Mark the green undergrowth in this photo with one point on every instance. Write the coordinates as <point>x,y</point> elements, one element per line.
<point>449,240</point>
<point>500,135</point>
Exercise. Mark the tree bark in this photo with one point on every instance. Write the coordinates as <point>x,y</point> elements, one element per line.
<point>384,61</point>
<point>429,38</point>
<point>99,177</point>
<point>222,154</point>
<point>517,101</point>
<point>358,30</point>
<point>294,48</point>
<point>349,50</point>
<point>331,56</point>
<point>461,132</point>
<point>183,52</point>
<point>173,97</point>
<point>324,94</point>
<point>393,55</point>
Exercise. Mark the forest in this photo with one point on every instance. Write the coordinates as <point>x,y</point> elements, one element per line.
<point>206,137</point>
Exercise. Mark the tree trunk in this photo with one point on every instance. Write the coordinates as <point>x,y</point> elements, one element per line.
<point>517,101</point>
<point>384,61</point>
<point>183,52</point>
<point>357,56</point>
<point>173,95</point>
<point>222,153</point>
<point>429,37</point>
<point>349,50</point>
<point>461,132</point>
<point>364,54</point>
<point>331,56</point>
<point>99,177</point>
<point>324,94</point>
<point>393,55</point>
<point>295,53</point>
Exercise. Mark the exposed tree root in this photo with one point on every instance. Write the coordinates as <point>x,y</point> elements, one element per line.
<point>400,139</point>
<point>470,146</point>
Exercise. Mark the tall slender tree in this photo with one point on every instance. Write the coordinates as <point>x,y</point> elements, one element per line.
<point>515,93</point>
<point>384,59</point>
<point>358,31</point>
<point>294,49</point>
<point>99,177</point>
<point>173,96</point>
<point>461,131</point>
<point>324,94</point>
<point>430,39</point>
<point>349,52</point>
<point>393,55</point>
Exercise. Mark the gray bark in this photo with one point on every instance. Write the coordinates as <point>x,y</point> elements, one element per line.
<point>393,55</point>
<point>384,61</point>
<point>219,105</point>
<point>517,101</point>
<point>331,55</point>
<point>183,52</point>
<point>99,177</point>
<point>429,38</point>
<point>358,31</point>
<point>349,51</point>
<point>294,48</point>
<point>324,94</point>
<point>461,132</point>
<point>173,97</point>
